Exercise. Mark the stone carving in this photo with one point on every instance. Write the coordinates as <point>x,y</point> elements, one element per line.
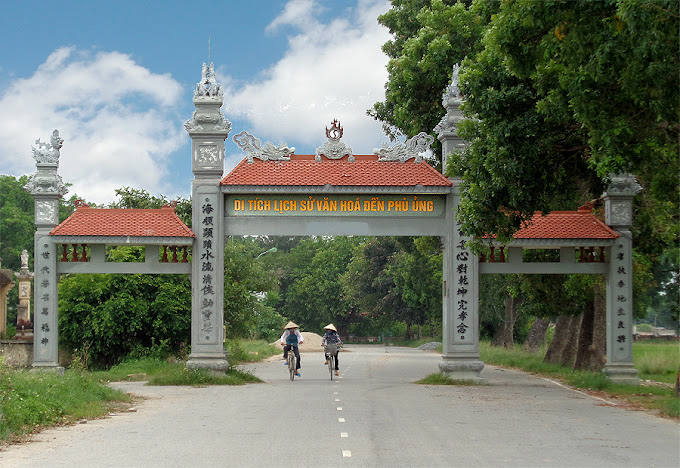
<point>24,259</point>
<point>48,152</point>
<point>253,148</point>
<point>411,148</point>
<point>334,148</point>
<point>623,184</point>
<point>208,86</point>
<point>208,154</point>
<point>452,91</point>
<point>39,183</point>
<point>216,122</point>
<point>45,211</point>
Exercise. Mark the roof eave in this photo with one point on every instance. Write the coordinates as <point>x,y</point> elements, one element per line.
<point>123,240</point>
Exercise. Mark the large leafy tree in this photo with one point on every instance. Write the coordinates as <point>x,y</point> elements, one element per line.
<point>565,93</point>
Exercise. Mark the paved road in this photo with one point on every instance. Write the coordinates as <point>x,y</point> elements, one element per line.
<point>372,416</point>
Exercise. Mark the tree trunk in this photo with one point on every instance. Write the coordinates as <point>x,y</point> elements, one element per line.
<point>562,349</point>
<point>505,335</point>
<point>554,352</point>
<point>409,333</point>
<point>593,338</point>
<point>537,335</point>
<point>598,354</point>
<point>571,345</point>
<point>585,340</point>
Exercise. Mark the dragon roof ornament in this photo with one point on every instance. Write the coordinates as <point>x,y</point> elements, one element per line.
<point>412,148</point>
<point>253,148</point>
<point>334,148</point>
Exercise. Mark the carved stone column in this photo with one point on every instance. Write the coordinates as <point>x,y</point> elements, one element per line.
<point>460,358</point>
<point>446,129</point>
<point>24,309</point>
<point>619,216</point>
<point>208,128</point>
<point>47,187</point>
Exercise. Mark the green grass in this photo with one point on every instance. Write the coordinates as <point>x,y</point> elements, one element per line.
<point>29,400</point>
<point>442,379</point>
<point>657,360</point>
<point>240,351</point>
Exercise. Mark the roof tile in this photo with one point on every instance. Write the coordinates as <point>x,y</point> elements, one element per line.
<point>366,170</point>
<point>86,221</point>
<point>580,224</point>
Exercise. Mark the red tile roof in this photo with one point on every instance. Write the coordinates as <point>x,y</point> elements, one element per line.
<point>580,224</point>
<point>366,170</point>
<point>86,221</point>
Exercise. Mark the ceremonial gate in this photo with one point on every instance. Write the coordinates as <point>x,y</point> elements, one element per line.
<point>273,191</point>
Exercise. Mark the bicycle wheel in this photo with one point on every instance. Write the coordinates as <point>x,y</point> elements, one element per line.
<point>292,364</point>
<point>331,364</point>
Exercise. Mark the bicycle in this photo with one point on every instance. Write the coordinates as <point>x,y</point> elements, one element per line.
<point>331,350</point>
<point>292,362</point>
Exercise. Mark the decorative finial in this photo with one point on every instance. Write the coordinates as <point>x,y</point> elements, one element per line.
<point>208,86</point>
<point>48,152</point>
<point>334,148</point>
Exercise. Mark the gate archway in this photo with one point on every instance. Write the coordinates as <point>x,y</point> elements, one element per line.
<point>334,192</point>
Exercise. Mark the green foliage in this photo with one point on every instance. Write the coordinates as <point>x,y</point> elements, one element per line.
<point>311,289</point>
<point>246,277</point>
<point>118,315</point>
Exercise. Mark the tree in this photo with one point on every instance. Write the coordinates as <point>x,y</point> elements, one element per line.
<point>580,90</point>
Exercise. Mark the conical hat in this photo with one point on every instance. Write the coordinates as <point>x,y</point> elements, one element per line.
<point>290,325</point>
<point>330,327</point>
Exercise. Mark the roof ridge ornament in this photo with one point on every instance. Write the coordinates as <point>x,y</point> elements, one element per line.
<point>253,148</point>
<point>334,148</point>
<point>414,147</point>
<point>80,204</point>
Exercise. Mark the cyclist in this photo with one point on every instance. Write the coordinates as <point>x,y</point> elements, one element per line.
<point>331,337</point>
<point>291,338</point>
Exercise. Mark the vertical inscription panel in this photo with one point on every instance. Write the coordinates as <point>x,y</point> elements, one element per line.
<point>45,346</point>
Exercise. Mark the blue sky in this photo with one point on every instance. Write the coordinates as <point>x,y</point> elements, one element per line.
<point>116,78</point>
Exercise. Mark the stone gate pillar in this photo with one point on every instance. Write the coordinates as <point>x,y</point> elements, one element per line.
<point>208,128</point>
<point>460,301</point>
<point>619,216</point>
<point>47,188</point>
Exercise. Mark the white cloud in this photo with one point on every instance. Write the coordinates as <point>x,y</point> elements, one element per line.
<point>333,70</point>
<point>116,119</point>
